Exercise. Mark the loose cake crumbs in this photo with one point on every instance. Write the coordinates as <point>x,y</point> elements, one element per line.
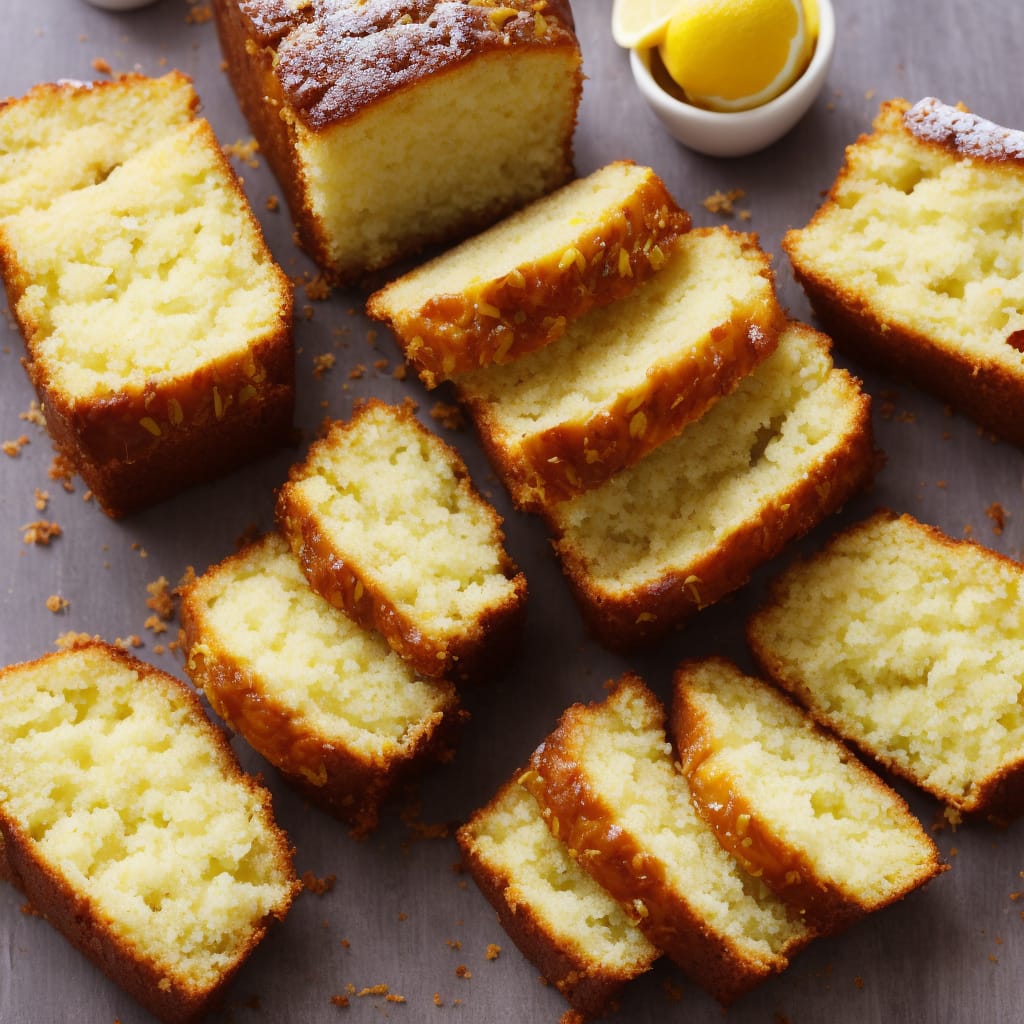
<point>13,448</point>
<point>198,14</point>
<point>155,625</point>
<point>858,981</point>
<point>997,514</point>
<point>62,470</point>
<point>453,943</point>
<point>56,604</point>
<point>40,499</point>
<point>438,1001</point>
<point>244,150</point>
<point>339,1000</point>
<point>322,363</point>
<point>493,951</point>
<point>273,204</point>
<point>41,532</point>
<point>128,642</point>
<point>723,202</point>
<point>357,372</point>
<point>100,66</point>
<point>448,415</point>
<point>317,289</point>
<point>70,639</point>
<point>33,414</point>
<point>462,971</point>
<point>160,600</point>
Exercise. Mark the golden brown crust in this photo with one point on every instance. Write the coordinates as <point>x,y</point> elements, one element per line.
<point>341,578</point>
<point>572,457</point>
<point>589,990</point>
<point>498,320</point>
<point>343,782</point>
<point>959,132</point>
<point>89,931</point>
<point>65,90</point>
<point>622,622</point>
<point>575,812</point>
<point>742,830</point>
<point>143,443</point>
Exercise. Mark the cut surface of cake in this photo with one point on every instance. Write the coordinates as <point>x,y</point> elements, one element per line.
<point>628,376</point>
<point>790,802</point>
<point>908,644</point>
<point>689,523</point>
<point>326,702</point>
<point>915,261</point>
<point>158,326</point>
<point>388,526</point>
<point>576,934</point>
<point>130,826</point>
<point>610,790</point>
<point>515,287</point>
<point>465,112</point>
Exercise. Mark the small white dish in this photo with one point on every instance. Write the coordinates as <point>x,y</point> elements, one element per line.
<point>741,132</point>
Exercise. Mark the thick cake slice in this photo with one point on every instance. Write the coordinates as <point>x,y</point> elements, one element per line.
<point>158,326</point>
<point>689,523</point>
<point>464,110</point>
<point>611,792</point>
<point>790,802</point>
<point>130,826</point>
<point>910,645</point>
<point>387,526</point>
<point>515,287</point>
<point>330,705</point>
<point>580,939</point>
<point>915,262</point>
<point>629,376</point>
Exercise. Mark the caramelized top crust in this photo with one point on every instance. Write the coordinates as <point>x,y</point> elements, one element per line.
<point>962,132</point>
<point>335,57</point>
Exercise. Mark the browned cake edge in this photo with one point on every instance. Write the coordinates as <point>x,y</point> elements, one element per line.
<point>757,847</point>
<point>342,579</point>
<point>999,797</point>
<point>72,914</point>
<point>501,319</point>
<point>593,993</point>
<point>576,814</point>
<point>343,782</point>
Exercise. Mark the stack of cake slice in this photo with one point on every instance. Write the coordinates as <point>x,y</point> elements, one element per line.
<point>768,834</point>
<point>331,646</point>
<point>672,428</point>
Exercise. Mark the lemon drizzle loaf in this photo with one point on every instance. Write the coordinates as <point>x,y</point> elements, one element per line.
<point>627,377</point>
<point>130,826</point>
<point>157,325</point>
<point>908,644</point>
<point>689,523</point>
<point>330,705</point>
<point>914,261</point>
<point>580,939</point>
<point>610,790</point>
<point>790,802</point>
<point>515,287</point>
<point>388,526</point>
<point>333,87</point>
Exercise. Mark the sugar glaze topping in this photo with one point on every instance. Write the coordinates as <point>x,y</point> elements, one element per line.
<point>963,132</point>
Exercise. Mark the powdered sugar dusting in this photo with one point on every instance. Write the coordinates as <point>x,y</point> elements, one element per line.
<point>966,133</point>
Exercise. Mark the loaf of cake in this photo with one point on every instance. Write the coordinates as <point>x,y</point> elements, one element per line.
<point>327,703</point>
<point>628,376</point>
<point>790,802</point>
<point>610,790</point>
<point>388,527</point>
<point>579,938</point>
<point>909,645</point>
<point>515,287</point>
<point>689,523</point>
<point>393,125</point>
<point>158,327</point>
<point>914,262</point>
<point>130,826</point>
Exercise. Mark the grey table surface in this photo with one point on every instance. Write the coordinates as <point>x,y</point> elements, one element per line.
<point>399,913</point>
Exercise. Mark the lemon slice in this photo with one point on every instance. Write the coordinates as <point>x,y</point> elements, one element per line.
<point>736,54</point>
<point>640,23</point>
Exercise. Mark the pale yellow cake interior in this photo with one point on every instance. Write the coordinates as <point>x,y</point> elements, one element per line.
<point>911,646</point>
<point>163,274</point>
<point>690,493</point>
<point>122,792</point>
<point>332,677</point>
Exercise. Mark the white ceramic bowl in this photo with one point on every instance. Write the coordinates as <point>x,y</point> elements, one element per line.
<point>744,131</point>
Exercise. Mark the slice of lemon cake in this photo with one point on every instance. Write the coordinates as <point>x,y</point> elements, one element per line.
<point>627,377</point>
<point>915,260</point>
<point>579,938</point>
<point>790,802</point>
<point>610,790</point>
<point>909,645</point>
<point>388,526</point>
<point>327,703</point>
<point>689,523</point>
<point>131,827</point>
<point>158,326</point>
<point>464,110</point>
<point>515,287</point>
